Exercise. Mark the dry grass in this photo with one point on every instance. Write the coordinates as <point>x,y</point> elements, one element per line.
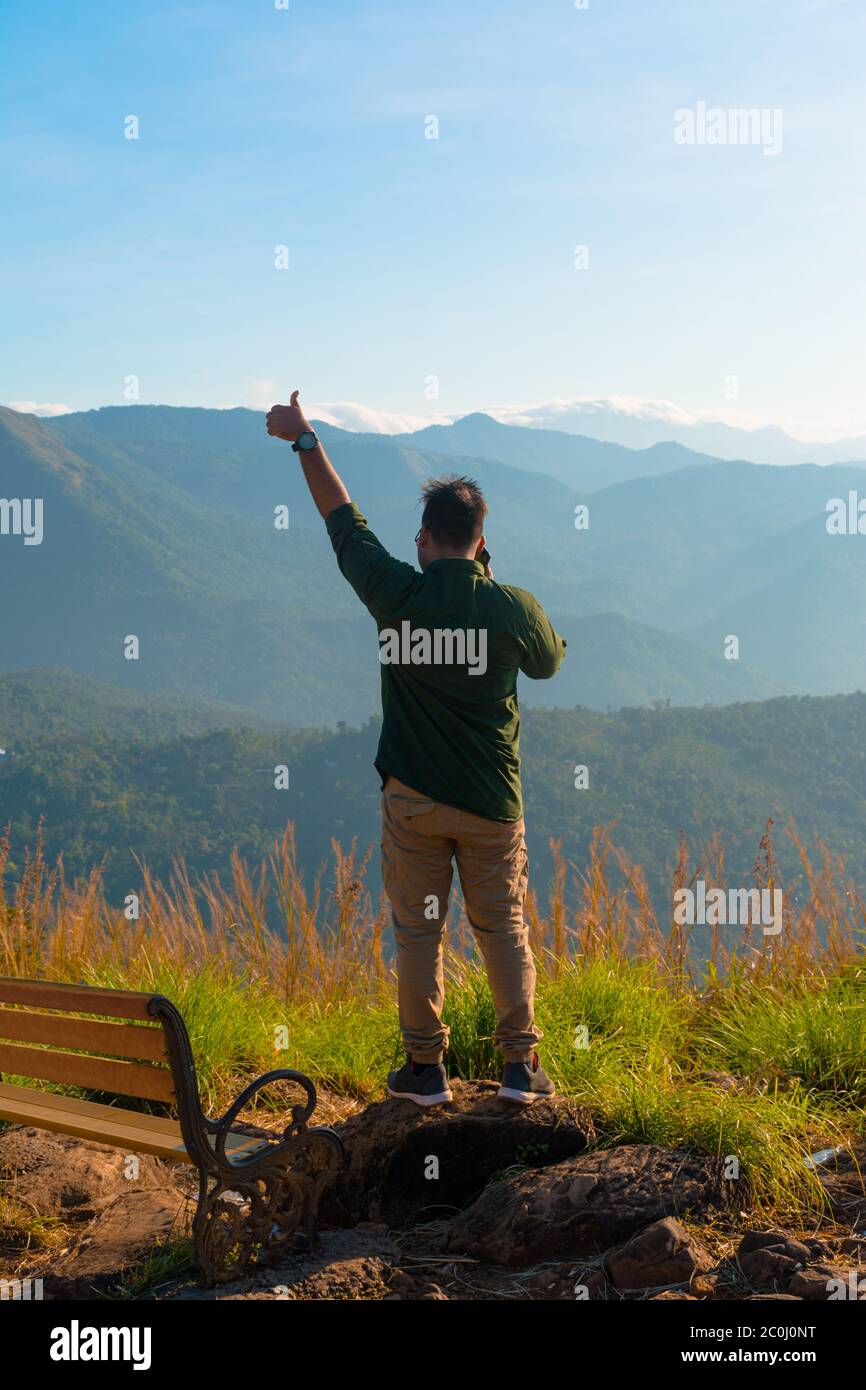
<point>330,946</point>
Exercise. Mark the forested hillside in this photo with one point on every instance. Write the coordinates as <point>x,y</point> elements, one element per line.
<point>154,793</point>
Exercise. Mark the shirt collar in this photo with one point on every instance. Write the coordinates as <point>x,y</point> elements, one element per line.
<point>461,566</point>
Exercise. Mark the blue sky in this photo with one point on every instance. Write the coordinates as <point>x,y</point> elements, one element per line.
<point>413,258</point>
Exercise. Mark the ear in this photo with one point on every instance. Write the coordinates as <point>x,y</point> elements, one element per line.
<point>482,545</point>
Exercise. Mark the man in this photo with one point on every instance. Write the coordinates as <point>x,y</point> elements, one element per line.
<point>451,644</point>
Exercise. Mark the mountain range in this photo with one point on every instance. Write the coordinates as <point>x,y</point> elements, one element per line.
<point>159,523</point>
<point>640,424</point>
<point>628,422</point>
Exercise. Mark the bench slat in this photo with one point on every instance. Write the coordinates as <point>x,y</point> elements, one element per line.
<point>92,1109</point>
<point>105,1124</point>
<point>83,999</point>
<point>91,1035</point>
<point>93,1073</point>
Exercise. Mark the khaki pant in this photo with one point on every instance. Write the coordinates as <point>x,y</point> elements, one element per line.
<point>420,838</point>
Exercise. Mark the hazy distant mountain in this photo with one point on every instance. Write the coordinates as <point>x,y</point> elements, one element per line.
<point>580,462</point>
<point>639,425</point>
<point>159,523</point>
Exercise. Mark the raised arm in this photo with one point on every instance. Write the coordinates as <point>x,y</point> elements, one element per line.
<point>326,486</point>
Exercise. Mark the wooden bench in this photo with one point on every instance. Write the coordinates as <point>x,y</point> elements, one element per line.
<point>255,1190</point>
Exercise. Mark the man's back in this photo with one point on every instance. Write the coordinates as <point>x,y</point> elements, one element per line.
<point>451,642</point>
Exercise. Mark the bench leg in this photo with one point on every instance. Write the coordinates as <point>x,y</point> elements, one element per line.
<point>244,1219</point>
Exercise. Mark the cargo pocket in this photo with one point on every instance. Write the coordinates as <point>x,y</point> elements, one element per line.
<point>404,808</point>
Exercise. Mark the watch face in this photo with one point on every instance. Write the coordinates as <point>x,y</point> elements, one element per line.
<point>307,440</point>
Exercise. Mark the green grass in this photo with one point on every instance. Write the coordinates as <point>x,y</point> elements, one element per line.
<point>809,1030</point>
<point>798,1054</point>
<point>169,1259</point>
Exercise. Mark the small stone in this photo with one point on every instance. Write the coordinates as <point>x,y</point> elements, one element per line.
<point>825,1282</point>
<point>761,1240</point>
<point>663,1253</point>
<point>767,1266</point>
<point>722,1079</point>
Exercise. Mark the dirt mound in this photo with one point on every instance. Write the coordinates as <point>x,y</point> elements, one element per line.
<point>407,1163</point>
<point>586,1204</point>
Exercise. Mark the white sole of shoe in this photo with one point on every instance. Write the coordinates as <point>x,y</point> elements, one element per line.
<point>439,1099</point>
<point>522,1097</point>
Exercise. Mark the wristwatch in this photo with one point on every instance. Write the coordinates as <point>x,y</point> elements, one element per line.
<point>305,442</point>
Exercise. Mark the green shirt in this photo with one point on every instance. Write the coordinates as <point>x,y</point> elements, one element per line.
<point>451,642</point>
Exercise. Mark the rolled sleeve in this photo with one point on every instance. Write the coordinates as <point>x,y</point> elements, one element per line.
<point>545,650</point>
<point>382,582</point>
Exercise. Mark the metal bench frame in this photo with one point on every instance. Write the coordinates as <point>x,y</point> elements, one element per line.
<point>282,1184</point>
<point>250,1208</point>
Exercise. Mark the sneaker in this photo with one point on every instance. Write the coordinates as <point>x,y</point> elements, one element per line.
<point>525,1082</point>
<point>423,1082</point>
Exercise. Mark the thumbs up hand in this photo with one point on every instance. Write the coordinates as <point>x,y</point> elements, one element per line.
<point>287,421</point>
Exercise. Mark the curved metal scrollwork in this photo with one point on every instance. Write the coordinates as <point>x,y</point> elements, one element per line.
<point>251,1208</point>
<point>254,1217</point>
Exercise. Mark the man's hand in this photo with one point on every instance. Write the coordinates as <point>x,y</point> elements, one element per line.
<point>326,486</point>
<point>287,421</point>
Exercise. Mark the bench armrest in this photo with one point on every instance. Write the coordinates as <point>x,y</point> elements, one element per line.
<point>300,1113</point>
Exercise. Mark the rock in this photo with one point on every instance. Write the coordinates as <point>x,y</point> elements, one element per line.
<point>775,1240</point>
<point>121,1237</point>
<point>596,1284</point>
<point>776,1297</point>
<point>584,1205</point>
<point>827,1282</point>
<point>818,1249</point>
<point>705,1285</point>
<point>673,1293</point>
<point>56,1175</point>
<point>433,1291</point>
<point>768,1266</point>
<point>771,1257</point>
<point>721,1079</point>
<point>393,1146</point>
<point>663,1253</point>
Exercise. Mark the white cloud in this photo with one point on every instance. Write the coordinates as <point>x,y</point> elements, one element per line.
<point>569,416</point>
<point>33,408</point>
<point>349,415</point>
